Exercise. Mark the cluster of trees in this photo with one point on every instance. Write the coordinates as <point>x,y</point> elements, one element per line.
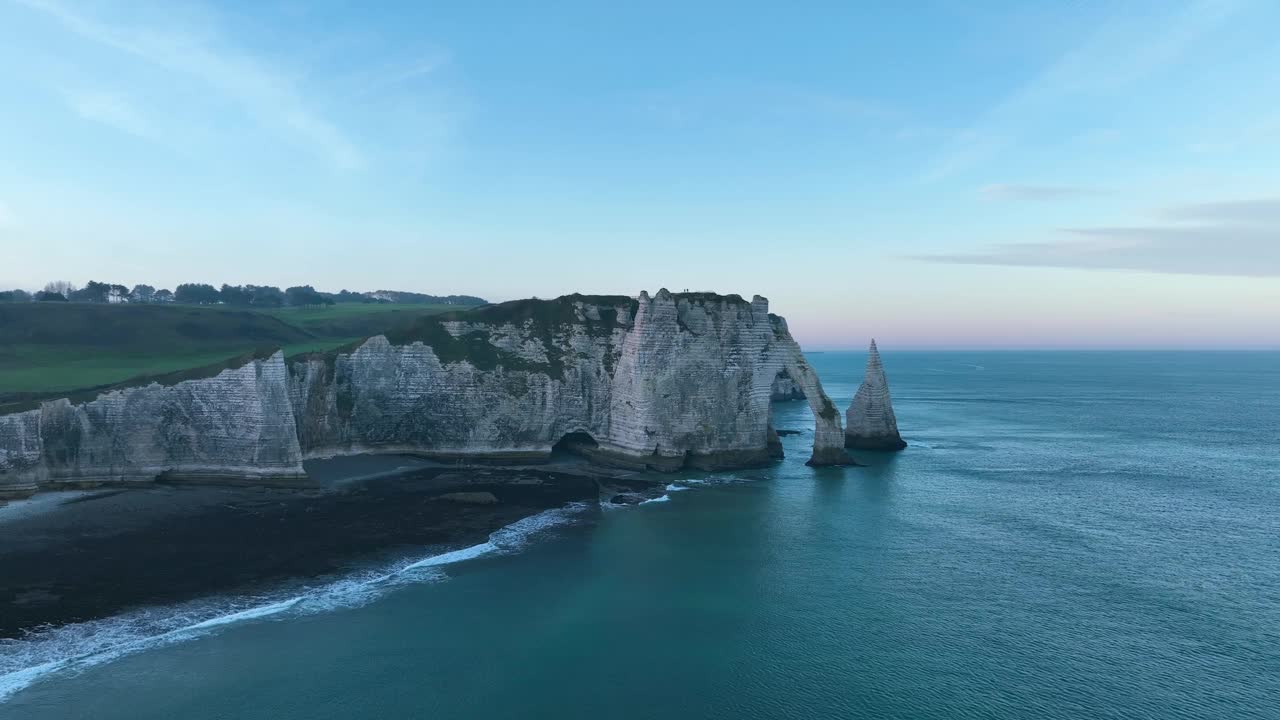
<point>346,296</point>
<point>237,295</point>
<point>249,295</point>
<point>93,292</point>
<point>187,293</point>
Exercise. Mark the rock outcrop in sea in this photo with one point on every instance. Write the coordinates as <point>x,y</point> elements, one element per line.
<point>870,422</point>
<point>661,382</point>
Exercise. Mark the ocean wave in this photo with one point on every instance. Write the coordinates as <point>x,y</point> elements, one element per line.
<point>676,488</point>
<point>41,503</point>
<point>69,649</point>
<point>253,613</point>
<point>664,498</point>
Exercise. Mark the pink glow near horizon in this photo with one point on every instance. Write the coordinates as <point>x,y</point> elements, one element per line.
<point>1014,330</point>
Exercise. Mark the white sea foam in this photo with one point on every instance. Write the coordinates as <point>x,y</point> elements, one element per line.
<point>453,556</point>
<point>676,488</point>
<point>40,503</point>
<point>725,479</point>
<point>664,498</point>
<point>74,648</point>
<point>253,613</point>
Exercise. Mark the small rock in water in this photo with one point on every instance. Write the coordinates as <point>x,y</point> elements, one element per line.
<point>470,498</point>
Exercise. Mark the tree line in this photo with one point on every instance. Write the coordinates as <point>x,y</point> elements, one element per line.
<point>265,296</point>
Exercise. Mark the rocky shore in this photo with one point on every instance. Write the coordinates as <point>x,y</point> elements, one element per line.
<point>73,557</point>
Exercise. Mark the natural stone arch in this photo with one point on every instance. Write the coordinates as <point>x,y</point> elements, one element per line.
<point>828,435</point>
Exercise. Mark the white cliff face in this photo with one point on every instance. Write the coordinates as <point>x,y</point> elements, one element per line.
<point>384,398</point>
<point>662,382</point>
<point>502,386</point>
<point>694,380</point>
<point>665,382</point>
<point>21,456</point>
<point>871,424</point>
<point>237,425</point>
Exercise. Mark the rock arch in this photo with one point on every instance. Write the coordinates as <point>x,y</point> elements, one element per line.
<point>828,435</point>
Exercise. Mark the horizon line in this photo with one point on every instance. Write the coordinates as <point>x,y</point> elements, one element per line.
<point>1120,348</point>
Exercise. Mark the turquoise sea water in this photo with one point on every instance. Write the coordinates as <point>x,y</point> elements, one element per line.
<point>1069,535</point>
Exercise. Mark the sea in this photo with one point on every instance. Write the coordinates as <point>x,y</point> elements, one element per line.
<point>1068,535</point>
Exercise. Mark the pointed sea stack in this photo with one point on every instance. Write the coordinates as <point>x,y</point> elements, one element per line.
<point>870,423</point>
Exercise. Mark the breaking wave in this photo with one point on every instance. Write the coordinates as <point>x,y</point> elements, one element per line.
<point>79,646</point>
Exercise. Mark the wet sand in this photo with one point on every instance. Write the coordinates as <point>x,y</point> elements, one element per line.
<point>72,557</point>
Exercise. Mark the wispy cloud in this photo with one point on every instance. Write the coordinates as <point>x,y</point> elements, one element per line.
<point>1261,211</point>
<point>1124,47</point>
<point>1240,238</point>
<point>109,109</point>
<point>1003,191</point>
<point>400,75</point>
<point>266,94</point>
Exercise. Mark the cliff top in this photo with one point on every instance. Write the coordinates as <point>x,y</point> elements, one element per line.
<point>543,317</point>
<point>153,333</point>
<point>554,311</point>
<point>21,402</point>
<point>732,298</point>
<point>544,313</point>
<point>50,350</point>
<point>562,309</point>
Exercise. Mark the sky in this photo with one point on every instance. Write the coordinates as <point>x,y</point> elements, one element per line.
<point>947,174</point>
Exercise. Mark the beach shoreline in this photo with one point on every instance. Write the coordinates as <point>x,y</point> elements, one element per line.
<point>78,556</point>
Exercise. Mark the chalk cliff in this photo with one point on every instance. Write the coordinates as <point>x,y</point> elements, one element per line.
<point>871,424</point>
<point>22,466</point>
<point>664,382</point>
<point>236,425</point>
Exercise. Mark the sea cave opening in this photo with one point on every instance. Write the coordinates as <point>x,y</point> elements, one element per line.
<point>574,444</point>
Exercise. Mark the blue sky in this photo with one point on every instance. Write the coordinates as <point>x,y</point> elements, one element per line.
<point>949,174</point>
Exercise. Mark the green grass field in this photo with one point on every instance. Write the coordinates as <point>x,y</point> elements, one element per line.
<point>57,347</point>
<point>347,310</point>
<point>353,320</point>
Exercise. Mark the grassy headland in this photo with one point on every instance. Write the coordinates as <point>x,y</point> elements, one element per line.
<point>60,347</point>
